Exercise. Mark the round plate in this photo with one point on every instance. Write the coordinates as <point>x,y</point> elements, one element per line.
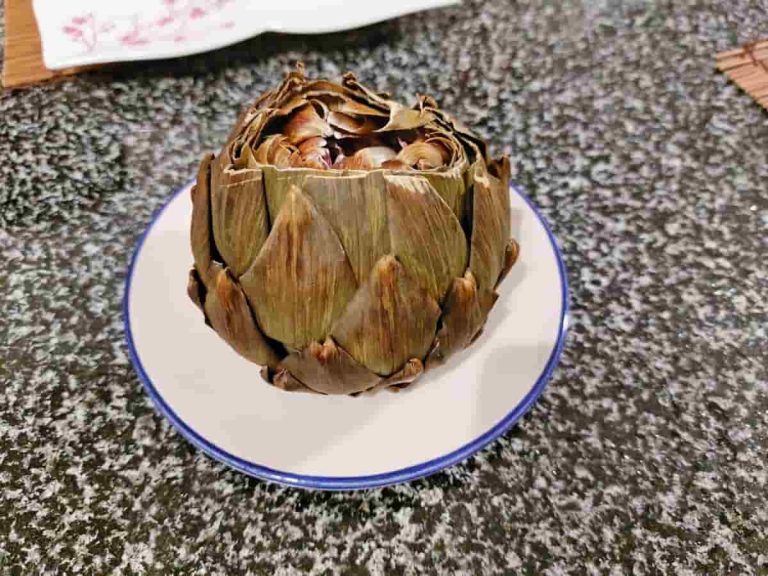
<point>218,401</point>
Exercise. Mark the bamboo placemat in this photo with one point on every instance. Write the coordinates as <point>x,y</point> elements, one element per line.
<point>748,68</point>
<point>23,52</point>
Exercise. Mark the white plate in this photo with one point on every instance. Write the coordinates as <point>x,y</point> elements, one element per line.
<point>218,401</point>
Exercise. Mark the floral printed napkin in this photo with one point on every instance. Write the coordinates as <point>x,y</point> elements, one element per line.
<point>81,32</point>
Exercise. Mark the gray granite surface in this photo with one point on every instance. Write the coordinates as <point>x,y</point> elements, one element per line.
<point>645,455</point>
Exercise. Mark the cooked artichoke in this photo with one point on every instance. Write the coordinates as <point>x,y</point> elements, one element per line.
<point>345,241</point>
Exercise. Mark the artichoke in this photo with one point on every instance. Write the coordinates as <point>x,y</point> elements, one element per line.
<point>344,241</point>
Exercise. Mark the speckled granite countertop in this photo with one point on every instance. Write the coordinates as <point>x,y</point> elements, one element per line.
<point>645,455</point>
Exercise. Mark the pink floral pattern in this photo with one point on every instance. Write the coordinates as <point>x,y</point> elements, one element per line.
<point>85,30</point>
<point>179,20</point>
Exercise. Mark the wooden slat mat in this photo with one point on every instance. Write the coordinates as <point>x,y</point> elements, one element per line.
<point>748,68</point>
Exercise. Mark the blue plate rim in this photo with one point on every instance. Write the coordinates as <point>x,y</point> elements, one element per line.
<point>350,482</point>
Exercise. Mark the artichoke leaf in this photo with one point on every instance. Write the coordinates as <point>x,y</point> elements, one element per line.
<point>278,182</point>
<point>423,155</point>
<point>490,227</point>
<point>301,281</point>
<point>451,188</point>
<point>321,87</point>
<point>408,374</point>
<point>329,369</point>
<point>262,100</point>
<point>368,96</point>
<point>451,125</point>
<point>487,302</point>
<point>349,98</point>
<point>368,158</point>
<point>511,254</point>
<point>403,118</point>
<point>311,145</point>
<point>247,159</point>
<point>390,319</point>
<point>291,105</point>
<point>291,85</point>
<point>243,119</point>
<point>341,99</point>
<point>195,289</point>
<point>462,319</point>
<point>352,124</point>
<point>273,150</point>
<point>500,168</point>
<point>238,215</point>
<point>353,107</point>
<point>306,123</point>
<point>250,120</point>
<point>284,380</point>
<point>355,207</point>
<point>203,247</point>
<point>227,310</point>
<point>396,166</point>
<point>426,236</point>
<point>452,148</point>
<point>250,136</point>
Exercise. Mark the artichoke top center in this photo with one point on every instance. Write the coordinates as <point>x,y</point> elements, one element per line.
<point>321,125</point>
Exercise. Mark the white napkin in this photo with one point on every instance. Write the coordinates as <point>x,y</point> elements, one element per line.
<point>79,32</point>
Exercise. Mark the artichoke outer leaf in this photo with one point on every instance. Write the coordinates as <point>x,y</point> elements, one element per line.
<point>301,281</point>
<point>490,227</point>
<point>462,318</point>
<point>239,216</point>
<point>201,237</point>
<point>390,320</point>
<point>511,254</point>
<point>227,310</point>
<point>284,380</point>
<point>451,188</point>
<point>278,182</point>
<point>407,375</point>
<point>195,289</point>
<point>356,209</point>
<point>487,301</point>
<point>501,171</point>
<point>426,236</point>
<point>329,369</point>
